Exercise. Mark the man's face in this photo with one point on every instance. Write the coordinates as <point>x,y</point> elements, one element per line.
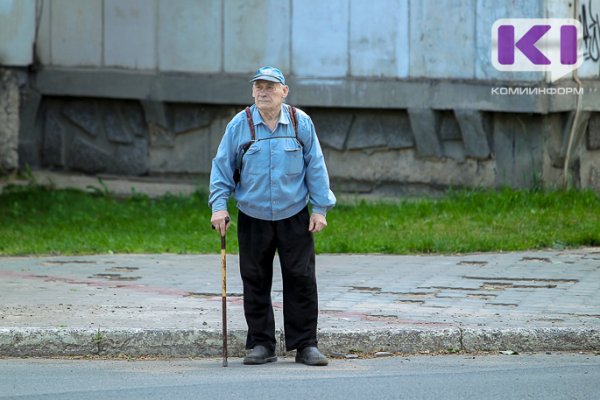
<point>268,96</point>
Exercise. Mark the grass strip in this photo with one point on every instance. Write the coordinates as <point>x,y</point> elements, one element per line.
<point>36,220</point>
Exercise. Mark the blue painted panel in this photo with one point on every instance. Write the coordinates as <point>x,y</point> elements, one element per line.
<point>189,35</point>
<point>379,46</point>
<point>488,11</point>
<point>257,33</point>
<point>320,33</point>
<point>17,31</point>
<point>129,33</point>
<point>442,39</point>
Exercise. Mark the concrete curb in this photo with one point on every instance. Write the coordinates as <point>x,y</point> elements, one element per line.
<point>531,339</point>
<point>40,342</point>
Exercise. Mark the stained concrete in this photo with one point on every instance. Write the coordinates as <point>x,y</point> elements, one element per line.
<point>9,120</point>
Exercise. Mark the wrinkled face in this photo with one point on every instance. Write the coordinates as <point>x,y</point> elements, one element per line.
<point>268,96</point>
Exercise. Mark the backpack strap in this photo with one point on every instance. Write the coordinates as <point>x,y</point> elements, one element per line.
<point>245,146</point>
<point>294,118</point>
<point>250,124</point>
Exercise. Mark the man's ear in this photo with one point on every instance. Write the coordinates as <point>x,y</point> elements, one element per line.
<point>286,90</point>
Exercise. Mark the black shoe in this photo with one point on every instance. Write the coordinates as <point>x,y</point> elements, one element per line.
<point>311,356</point>
<point>260,355</point>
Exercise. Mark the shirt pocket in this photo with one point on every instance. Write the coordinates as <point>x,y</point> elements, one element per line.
<point>294,160</point>
<point>251,164</point>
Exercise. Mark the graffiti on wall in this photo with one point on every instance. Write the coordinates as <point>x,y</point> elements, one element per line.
<point>590,20</point>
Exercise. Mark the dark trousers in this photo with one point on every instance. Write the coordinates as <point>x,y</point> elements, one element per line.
<point>258,240</point>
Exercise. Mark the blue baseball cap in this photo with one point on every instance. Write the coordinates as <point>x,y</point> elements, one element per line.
<point>269,74</point>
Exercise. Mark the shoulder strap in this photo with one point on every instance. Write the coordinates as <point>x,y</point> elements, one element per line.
<point>294,117</point>
<point>250,124</point>
<point>292,111</point>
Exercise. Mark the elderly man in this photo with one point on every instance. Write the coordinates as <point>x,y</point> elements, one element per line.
<point>270,158</point>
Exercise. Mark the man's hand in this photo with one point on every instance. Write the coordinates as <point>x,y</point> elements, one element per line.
<point>317,223</point>
<point>218,221</point>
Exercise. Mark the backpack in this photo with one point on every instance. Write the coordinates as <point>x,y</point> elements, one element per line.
<point>246,146</point>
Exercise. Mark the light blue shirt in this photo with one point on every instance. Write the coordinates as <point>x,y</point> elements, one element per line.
<point>278,175</point>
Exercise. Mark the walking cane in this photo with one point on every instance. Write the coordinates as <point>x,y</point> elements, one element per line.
<point>224,292</point>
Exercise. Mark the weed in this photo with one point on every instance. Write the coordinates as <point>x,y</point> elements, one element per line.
<point>101,191</point>
<point>98,339</point>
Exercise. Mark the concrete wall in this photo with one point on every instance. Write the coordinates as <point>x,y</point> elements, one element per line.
<point>9,121</point>
<point>446,39</point>
<point>370,151</point>
<point>442,39</point>
<point>418,53</point>
<point>17,32</point>
<point>400,90</point>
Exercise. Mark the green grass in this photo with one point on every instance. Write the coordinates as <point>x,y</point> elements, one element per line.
<point>37,220</point>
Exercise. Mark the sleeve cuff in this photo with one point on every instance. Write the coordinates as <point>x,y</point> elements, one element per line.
<point>219,205</point>
<point>317,210</point>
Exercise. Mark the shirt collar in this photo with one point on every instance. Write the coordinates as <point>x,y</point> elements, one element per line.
<point>284,117</point>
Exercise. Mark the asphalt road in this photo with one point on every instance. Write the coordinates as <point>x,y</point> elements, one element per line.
<point>528,376</point>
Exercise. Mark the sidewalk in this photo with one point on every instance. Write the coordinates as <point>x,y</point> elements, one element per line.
<point>119,186</point>
<point>171,305</point>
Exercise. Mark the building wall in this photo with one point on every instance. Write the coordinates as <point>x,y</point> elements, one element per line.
<point>445,39</point>
<point>17,32</point>
<point>442,39</point>
<point>400,90</point>
<point>367,151</point>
